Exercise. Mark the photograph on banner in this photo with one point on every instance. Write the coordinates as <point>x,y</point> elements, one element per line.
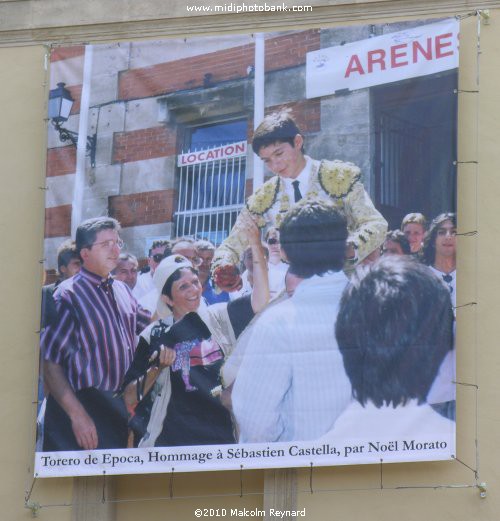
<point>250,251</point>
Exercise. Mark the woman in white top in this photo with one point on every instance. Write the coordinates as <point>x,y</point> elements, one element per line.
<point>172,388</point>
<point>440,251</point>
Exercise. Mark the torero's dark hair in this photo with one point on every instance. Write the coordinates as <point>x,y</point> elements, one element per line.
<point>278,127</point>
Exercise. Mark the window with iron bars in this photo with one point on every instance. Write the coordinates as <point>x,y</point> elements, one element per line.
<point>211,193</point>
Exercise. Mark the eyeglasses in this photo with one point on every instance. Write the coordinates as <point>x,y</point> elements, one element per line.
<point>442,232</point>
<point>158,257</point>
<point>272,241</point>
<point>196,261</point>
<point>109,244</point>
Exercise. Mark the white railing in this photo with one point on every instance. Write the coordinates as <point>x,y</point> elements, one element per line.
<point>211,194</point>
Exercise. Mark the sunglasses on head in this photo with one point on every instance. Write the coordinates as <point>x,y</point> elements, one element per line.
<point>272,241</point>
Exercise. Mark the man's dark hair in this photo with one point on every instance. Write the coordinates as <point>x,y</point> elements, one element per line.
<point>66,253</point>
<point>399,237</point>
<point>429,248</point>
<point>278,127</point>
<point>313,236</point>
<point>160,243</point>
<point>394,327</point>
<point>87,232</point>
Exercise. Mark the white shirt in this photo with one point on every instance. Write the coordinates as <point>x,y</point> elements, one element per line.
<point>410,421</point>
<point>276,276</point>
<point>144,285</point>
<point>302,178</point>
<point>149,300</point>
<point>452,285</point>
<point>246,288</point>
<point>292,384</point>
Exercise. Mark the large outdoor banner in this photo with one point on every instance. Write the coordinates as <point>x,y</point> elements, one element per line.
<point>197,315</point>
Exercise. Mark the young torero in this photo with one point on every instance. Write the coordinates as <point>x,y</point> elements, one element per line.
<point>279,143</point>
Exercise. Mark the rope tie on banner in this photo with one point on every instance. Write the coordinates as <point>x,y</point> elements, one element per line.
<point>43,188</point>
<point>463,91</point>
<point>381,474</point>
<point>103,499</point>
<point>465,384</point>
<point>465,465</point>
<point>468,234</point>
<point>455,163</point>
<point>241,480</point>
<point>460,17</point>
<point>27,497</point>
<point>171,484</point>
<point>41,261</point>
<point>32,505</point>
<point>465,305</point>
<point>311,478</point>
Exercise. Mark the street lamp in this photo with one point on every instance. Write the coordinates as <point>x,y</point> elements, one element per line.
<point>60,103</point>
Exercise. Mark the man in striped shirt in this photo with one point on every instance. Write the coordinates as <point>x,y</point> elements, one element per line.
<point>89,347</point>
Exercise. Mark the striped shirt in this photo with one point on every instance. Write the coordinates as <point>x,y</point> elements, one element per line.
<point>94,336</point>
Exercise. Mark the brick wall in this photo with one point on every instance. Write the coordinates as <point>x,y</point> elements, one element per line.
<point>76,94</point>
<point>145,208</point>
<point>290,50</point>
<point>61,161</point>
<point>188,73</point>
<point>142,144</point>
<point>306,113</point>
<point>58,221</point>
<point>64,53</point>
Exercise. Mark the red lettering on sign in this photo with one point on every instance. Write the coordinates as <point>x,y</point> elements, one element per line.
<point>354,66</point>
<point>418,49</point>
<point>376,56</point>
<point>395,55</point>
<point>440,45</point>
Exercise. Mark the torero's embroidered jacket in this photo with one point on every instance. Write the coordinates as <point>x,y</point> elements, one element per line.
<point>335,181</point>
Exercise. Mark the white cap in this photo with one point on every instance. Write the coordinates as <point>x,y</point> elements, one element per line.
<point>163,271</point>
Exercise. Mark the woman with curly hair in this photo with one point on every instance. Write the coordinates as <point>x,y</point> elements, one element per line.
<point>440,250</point>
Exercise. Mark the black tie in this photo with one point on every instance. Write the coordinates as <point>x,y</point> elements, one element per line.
<point>448,279</point>
<point>296,192</point>
<point>106,284</point>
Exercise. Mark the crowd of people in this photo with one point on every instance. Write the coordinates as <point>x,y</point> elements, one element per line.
<point>309,321</point>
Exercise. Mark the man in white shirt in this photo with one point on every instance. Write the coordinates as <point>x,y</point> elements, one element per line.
<point>291,384</point>
<point>159,249</point>
<point>394,330</point>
